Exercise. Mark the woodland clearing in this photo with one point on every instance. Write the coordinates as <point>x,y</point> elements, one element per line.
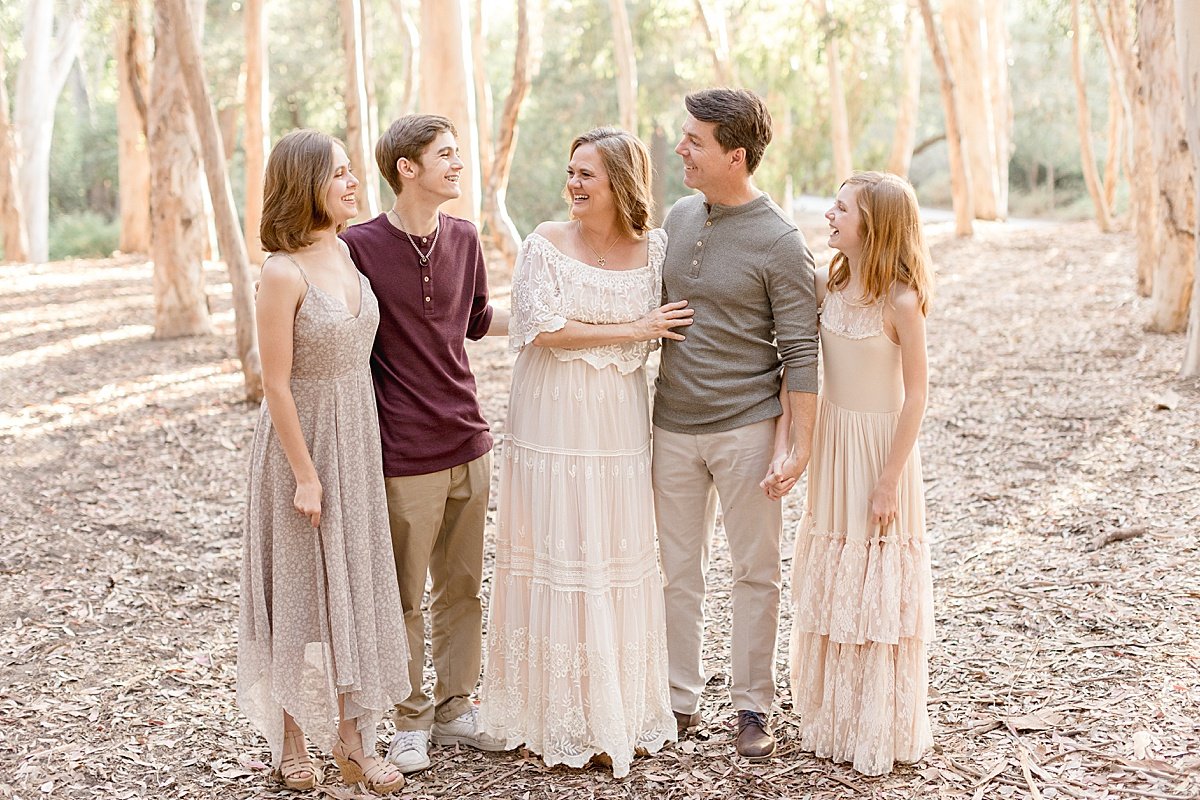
<point>1062,460</point>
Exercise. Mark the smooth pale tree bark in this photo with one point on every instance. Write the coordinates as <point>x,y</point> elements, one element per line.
<point>255,142</point>
<point>1001,96</point>
<point>447,88</point>
<point>626,64</point>
<point>660,155</point>
<point>967,50</point>
<point>12,217</point>
<point>178,226</point>
<point>1113,20</point>
<point>1187,40</point>
<point>716,34</point>
<point>483,97</point>
<point>1174,271</point>
<point>371,166</point>
<point>960,176</point>
<point>232,246</point>
<point>1091,174</point>
<point>496,222</point>
<point>905,134</point>
<point>411,48</point>
<point>1116,145</point>
<point>50,50</point>
<point>358,133</point>
<point>839,119</point>
<point>133,147</point>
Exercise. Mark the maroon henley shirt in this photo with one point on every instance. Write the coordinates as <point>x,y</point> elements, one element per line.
<point>429,417</point>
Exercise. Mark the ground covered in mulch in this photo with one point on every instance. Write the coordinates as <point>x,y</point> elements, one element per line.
<point>1062,458</point>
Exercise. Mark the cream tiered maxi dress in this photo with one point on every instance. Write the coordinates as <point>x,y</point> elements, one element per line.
<point>863,595</point>
<point>576,643</point>
<point>320,610</point>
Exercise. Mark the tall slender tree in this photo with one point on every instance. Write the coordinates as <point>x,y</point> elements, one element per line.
<point>838,116</point>
<point>1187,32</point>
<point>50,48</point>
<point>133,147</point>
<point>447,88</point>
<point>626,64</point>
<point>716,34</point>
<point>255,142</point>
<point>178,224</point>
<point>1174,268</point>
<point>231,244</point>
<point>960,175</point>
<point>1083,116</point>
<point>358,133</point>
<point>967,47</point>
<point>905,135</point>
<point>12,217</point>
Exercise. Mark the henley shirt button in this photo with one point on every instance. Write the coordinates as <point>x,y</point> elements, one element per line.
<point>427,279</point>
<point>694,263</point>
<point>708,224</point>
<point>426,299</point>
<point>699,244</point>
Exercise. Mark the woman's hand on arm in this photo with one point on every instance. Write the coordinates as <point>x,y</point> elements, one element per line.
<point>280,293</point>
<point>657,324</point>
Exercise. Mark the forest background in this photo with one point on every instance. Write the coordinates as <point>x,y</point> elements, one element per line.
<point>1053,144</point>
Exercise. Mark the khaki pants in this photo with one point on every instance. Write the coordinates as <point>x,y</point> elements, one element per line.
<point>690,473</point>
<point>437,529</point>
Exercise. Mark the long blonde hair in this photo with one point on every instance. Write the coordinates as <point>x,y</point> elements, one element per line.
<point>894,249</point>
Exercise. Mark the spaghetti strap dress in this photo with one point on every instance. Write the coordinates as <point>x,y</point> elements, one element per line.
<point>320,611</point>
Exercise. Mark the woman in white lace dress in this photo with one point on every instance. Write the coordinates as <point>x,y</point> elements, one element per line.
<point>576,658</point>
<point>861,577</point>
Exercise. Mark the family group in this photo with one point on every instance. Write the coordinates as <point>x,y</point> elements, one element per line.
<point>371,464</point>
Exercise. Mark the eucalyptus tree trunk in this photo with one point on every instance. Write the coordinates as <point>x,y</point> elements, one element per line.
<point>1091,174</point>
<point>1187,32</point>
<point>716,34</point>
<point>843,163</point>
<point>960,176</point>
<point>967,49</point>
<point>358,145</point>
<point>496,222</point>
<point>178,225</point>
<point>50,49</point>
<point>255,141</point>
<point>626,62</point>
<point>410,42</point>
<point>232,246</point>
<point>905,134</point>
<point>12,218</point>
<point>998,85</point>
<point>447,88</point>
<point>1174,271</point>
<point>133,147</point>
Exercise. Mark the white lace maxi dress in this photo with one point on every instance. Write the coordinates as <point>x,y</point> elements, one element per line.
<point>863,596</point>
<point>576,656</point>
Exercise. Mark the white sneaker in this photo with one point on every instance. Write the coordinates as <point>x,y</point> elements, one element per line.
<point>409,751</point>
<point>464,730</point>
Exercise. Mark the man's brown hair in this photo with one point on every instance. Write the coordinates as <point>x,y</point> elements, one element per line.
<point>741,120</point>
<point>407,137</point>
<point>299,172</point>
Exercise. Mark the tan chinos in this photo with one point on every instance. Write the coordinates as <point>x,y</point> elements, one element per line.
<point>437,529</point>
<point>691,471</point>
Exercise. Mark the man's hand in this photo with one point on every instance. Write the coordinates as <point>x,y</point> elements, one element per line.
<point>782,475</point>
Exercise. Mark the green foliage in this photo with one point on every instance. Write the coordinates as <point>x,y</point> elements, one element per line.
<point>83,234</point>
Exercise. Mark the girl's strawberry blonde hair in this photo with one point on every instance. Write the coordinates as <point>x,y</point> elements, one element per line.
<point>894,249</point>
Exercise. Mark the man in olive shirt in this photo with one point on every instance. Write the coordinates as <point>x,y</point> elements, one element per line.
<point>746,270</point>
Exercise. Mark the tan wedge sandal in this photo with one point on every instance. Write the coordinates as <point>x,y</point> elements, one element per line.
<point>296,769</point>
<point>350,762</point>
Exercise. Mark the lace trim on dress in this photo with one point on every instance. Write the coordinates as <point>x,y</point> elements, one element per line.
<point>852,321</point>
<point>564,575</point>
<point>550,287</point>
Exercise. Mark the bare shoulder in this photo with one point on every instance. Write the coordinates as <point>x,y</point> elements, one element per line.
<point>554,231</point>
<point>281,277</point>
<point>905,304</point>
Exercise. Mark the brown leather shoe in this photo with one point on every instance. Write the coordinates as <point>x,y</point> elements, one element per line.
<point>685,721</point>
<point>754,739</point>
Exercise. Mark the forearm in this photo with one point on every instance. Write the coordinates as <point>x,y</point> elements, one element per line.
<point>783,425</point>
<point>904,439</point>
<point>803,406</point>
<point>577,335</point>
<point>286,421</point>
<point>499,324</point>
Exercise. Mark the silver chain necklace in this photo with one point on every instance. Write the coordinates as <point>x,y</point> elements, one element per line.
<point>423,256</point>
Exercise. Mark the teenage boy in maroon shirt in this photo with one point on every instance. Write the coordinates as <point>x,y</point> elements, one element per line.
<point>427,270</point>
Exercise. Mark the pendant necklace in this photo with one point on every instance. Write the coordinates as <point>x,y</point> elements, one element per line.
<point>600,262</point>
<point>423,256</point>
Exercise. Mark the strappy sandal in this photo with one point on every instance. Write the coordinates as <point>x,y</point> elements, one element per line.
<point>350,762</point>
<point>296,769</point>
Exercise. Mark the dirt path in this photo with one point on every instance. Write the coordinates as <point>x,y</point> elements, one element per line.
<point>1062,667</point>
